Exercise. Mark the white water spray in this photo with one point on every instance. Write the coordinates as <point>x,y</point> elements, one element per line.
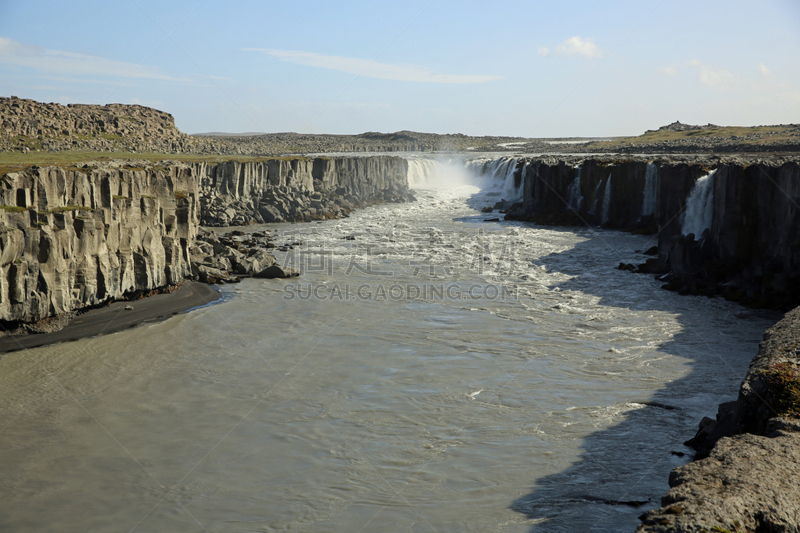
<point>497,173</point>
<point>699,211</point>
<point>427,173</point>
<point>575,197</point>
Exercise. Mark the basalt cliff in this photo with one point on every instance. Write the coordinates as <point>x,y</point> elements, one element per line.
<point>728,227</point>
<point>76,237</point>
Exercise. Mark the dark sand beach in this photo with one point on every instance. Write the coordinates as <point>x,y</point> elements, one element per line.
<point>115,317</point>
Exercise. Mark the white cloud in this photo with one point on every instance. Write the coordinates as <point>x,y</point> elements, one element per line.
<point>579,46</point>
<point>764,69</point>
<point>543,51</point>
<point>61,62</point>
<point>716,78</point>
<point>668,71</point>
<point>370,69</point>
<point>713,77</point>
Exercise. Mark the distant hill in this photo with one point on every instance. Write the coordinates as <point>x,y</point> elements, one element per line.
<point>686,138</point>
<point>225,134</point>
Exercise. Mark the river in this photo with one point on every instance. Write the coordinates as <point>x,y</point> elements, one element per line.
<point>429,371</point>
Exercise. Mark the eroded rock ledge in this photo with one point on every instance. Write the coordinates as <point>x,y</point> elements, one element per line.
<point>750,479</point>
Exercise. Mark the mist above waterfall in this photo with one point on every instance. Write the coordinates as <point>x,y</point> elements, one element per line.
<point>499,174</point>
<point>429,173</point>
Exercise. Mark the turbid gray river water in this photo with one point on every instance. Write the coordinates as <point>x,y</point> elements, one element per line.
<point>429,372</point>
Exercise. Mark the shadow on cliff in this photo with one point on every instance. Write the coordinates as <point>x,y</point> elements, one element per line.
<point>613,482</point>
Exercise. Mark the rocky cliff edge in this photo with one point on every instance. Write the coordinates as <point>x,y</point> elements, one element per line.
<point>750,477</point>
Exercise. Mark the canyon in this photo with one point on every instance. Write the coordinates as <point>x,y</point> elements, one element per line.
<point>79,235</point>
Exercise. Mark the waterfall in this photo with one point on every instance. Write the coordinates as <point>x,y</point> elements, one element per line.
<point>606,201</point>
<point>699,207</point>
<point>498,173</point>
<point>575,200</point>
<point>420,171</point>
<point>512,190</point>
<point>650,190</point>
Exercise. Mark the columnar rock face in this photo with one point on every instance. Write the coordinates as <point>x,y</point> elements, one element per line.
<point>751,250</point>
<point>297,189</point>
<point>76,238</point>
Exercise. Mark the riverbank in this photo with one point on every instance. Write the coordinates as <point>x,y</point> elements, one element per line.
<point>118,316</point>
<point>750,479</point>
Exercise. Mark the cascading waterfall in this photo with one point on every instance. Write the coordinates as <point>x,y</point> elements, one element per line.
<point>512,190</point>
<point>499,172</point>
<point>606,202</point>
<point>699,211</point>
<point>650,190</point>
<point>420,170</point>
<point>575,197</point>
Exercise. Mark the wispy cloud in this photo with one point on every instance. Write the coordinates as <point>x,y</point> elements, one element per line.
<point>764,69</point>
<point>543,51</point>
<point>713,77</point>
<point>371,69</point>
<point>580,46</point>
<point>61,62</point>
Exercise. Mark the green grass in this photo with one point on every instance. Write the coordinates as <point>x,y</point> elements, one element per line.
<point>784,387</point>
<point>31,142</point>
<point>12,208</point>
<point>765,134</point>
<point>66,208</point>
<point>16,161</point>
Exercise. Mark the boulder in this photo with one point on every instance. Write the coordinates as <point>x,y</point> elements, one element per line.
<point>276,271</point>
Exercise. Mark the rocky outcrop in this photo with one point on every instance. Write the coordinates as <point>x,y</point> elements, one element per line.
<point>749,479</point>
<point>228,257</point>
<point>680,126</point>
<point>27,125</point>
<point>76,237</point>
<point>751,250</point>
<point>30,125</point>
<point>298,189</point>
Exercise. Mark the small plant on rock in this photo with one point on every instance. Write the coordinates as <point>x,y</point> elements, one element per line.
<point>784,382</point>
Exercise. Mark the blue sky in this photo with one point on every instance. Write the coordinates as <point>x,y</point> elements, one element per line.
<point>522,68</point>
